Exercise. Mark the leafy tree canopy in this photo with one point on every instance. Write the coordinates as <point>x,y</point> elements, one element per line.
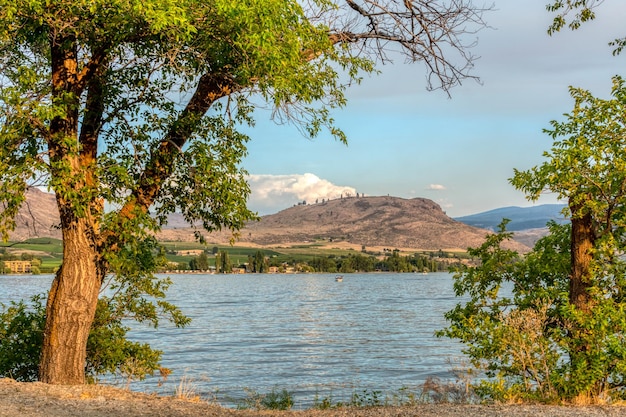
<point>549,326</point>
<point>131,109</point>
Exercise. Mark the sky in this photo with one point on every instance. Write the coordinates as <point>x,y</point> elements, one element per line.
<point>458,151</point>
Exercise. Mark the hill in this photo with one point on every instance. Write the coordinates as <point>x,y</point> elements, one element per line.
<point>373,222</point>
<point>38,217</point>
<point>522,218</point>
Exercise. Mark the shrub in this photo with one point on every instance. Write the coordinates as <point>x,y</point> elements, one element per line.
<point>531,343</point>
<point>274,400</point>
<point>108,349</point>
<point>21,336</point>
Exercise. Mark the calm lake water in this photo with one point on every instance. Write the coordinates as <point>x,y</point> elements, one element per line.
<point>306,333</point>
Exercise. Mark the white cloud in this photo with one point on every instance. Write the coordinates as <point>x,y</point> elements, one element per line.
<point>436,187</point>
<point>272,193</point>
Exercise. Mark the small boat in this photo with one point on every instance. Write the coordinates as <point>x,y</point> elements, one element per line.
<point>339,278</point>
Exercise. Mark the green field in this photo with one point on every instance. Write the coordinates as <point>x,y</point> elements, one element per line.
<point>50,252</point>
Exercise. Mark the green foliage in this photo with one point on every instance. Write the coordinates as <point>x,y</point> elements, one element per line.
<point>259,263</point>
<point>367,398</point>
<point>201,263</point>
<point>108,349</point>
<point>277,400</point>
<point>110,352</point>
<point>273,400</point>
<point>222,262</point>
<point>137,292</point>
<point>21,336</point>
<point>526,340</point>
<point>541,342</point>
<point>511,337</point>
<point>578,12</point>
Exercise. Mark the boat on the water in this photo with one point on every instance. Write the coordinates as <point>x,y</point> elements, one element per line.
<point>339,278</point>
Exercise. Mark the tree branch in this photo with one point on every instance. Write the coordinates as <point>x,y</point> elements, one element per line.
<point>431,32</point>
<point>210,88</point>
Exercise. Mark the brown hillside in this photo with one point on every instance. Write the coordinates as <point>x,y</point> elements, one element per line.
<point>38,217</point>
<point>373,222</point>
<point>388,222</point>
<point>391,222</point>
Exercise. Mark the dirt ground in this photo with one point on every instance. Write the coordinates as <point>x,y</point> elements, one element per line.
<point>37,399</point>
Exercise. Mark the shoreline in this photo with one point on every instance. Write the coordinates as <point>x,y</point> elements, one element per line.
<point>34,399</point>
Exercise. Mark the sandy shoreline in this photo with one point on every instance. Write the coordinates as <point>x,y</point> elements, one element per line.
<point>37,399</point>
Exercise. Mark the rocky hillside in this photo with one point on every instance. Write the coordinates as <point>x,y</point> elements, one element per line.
<point>38,217</point>
<point>383,222</point>
<point>371,221</point>
<point>387,222</point>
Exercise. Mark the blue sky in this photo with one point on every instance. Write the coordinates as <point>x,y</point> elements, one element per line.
<point>460,152</point>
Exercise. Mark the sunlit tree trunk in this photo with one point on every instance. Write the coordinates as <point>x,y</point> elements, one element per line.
<point>74,293</point>
<point>71,305</point>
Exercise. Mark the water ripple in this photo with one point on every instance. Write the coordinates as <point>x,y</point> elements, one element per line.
<point>305,333</point>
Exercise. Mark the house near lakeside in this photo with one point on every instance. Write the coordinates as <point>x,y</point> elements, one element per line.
<point>18,267</point>
<point>190,252</point>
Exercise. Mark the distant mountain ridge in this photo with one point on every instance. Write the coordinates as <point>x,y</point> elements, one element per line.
<point>388,222</point>
<point>521,218</point>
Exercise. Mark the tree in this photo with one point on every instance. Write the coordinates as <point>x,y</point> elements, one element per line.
<point>587,168</point>
<point>202,262</point>
<point>199,263</point>
<point>222,262</point>
<point>259,263</point>
<point>135,107</point>
<point>559,335</point>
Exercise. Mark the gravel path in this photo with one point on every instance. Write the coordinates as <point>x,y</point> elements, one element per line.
<point>37,399</point>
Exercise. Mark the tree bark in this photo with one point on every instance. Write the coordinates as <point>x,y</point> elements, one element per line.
<point>582,243</point>
<point>71,303</point>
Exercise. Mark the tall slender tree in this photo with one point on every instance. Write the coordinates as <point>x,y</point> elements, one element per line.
<point>128,110</point>
<point>587,168</point>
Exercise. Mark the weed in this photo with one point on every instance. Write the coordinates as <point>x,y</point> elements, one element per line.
<point>366,398</point>
<point>187,389</point>
<point>274,400</point>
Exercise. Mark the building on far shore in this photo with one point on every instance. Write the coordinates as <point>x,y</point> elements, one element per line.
<point>18,267</point>
<point>189,252</point>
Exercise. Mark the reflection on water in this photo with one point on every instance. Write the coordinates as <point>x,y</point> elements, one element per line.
<point>306,333</point>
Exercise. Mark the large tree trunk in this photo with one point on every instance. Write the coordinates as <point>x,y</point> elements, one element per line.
<point>71,304</point>
<point>582,243</point>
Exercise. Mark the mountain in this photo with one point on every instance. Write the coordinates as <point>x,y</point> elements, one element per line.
<point>522,218</point>
<point>373,222</point>
<point>38,217</point>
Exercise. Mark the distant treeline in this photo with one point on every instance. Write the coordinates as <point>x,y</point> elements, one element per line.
<point>388,261</point>
<point>394,262</point>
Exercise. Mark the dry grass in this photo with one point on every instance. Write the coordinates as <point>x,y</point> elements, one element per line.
<point>37,399</point>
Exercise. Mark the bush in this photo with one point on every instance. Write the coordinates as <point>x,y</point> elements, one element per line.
<point>108,349</point>
<point>531,343</point>
<point>274,400</point>
<point>21,336</point>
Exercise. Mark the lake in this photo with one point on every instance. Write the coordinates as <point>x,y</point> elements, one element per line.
<point>306,333</point>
